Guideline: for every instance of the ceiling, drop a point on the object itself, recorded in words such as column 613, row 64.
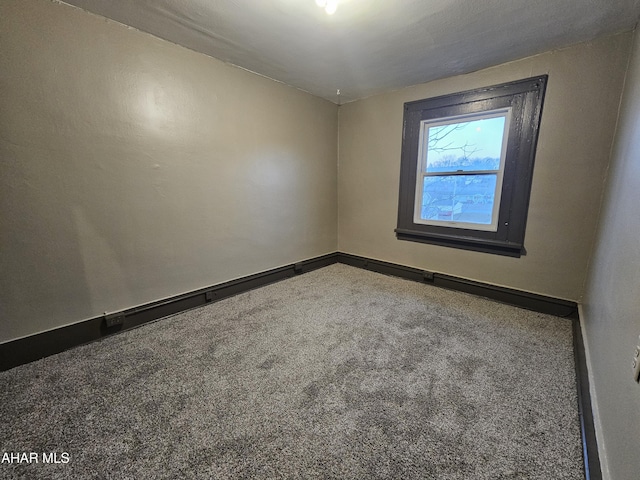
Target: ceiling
column 369, row 46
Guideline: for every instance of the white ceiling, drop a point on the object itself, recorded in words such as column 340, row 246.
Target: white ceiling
column 369, row 46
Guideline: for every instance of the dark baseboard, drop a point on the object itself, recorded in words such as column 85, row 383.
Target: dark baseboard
column 530, row 301
column 518, row 298
column 592, row 470
column 35, row 347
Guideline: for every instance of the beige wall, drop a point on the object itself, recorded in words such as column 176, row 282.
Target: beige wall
column 611, row 308
column 133, row 169
column 578, row 121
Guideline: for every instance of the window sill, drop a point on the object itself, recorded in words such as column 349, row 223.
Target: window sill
column 497, row 247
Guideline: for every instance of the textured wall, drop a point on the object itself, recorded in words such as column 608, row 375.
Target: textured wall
column 611, row 308
column 578, row 122
column 133, row 169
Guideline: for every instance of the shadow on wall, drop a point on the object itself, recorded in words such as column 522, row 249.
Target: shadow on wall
column 41, row 256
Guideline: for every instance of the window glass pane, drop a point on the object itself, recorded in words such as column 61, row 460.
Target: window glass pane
column 466, row 146
column 459, row 198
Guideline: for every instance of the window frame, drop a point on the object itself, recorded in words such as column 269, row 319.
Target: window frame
column 525, row 99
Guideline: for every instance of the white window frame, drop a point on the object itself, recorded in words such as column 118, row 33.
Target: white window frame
column 422, row 173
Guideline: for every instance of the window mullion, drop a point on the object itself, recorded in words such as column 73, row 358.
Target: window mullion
column 460, row 172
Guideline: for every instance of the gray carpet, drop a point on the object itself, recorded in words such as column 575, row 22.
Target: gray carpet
column 338, row 373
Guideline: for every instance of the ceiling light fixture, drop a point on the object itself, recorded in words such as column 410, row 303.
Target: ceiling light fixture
column 330, row 6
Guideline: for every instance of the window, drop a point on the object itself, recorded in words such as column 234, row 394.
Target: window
column 466, row 167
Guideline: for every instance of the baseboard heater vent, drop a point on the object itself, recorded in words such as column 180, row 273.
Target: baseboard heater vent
column 35, row 347
column 518, row 298
column 114, row 319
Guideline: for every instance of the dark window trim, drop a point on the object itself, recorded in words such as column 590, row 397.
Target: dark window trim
column 525, row 97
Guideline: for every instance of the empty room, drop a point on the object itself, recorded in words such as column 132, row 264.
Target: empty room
column 350, row 239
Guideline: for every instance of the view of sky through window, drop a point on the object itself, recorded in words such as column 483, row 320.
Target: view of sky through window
column 473, row 145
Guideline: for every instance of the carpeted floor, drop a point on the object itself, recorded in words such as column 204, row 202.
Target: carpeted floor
column 337, row 373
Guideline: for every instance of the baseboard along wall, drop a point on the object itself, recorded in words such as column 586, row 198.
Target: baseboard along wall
column 34, row 347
